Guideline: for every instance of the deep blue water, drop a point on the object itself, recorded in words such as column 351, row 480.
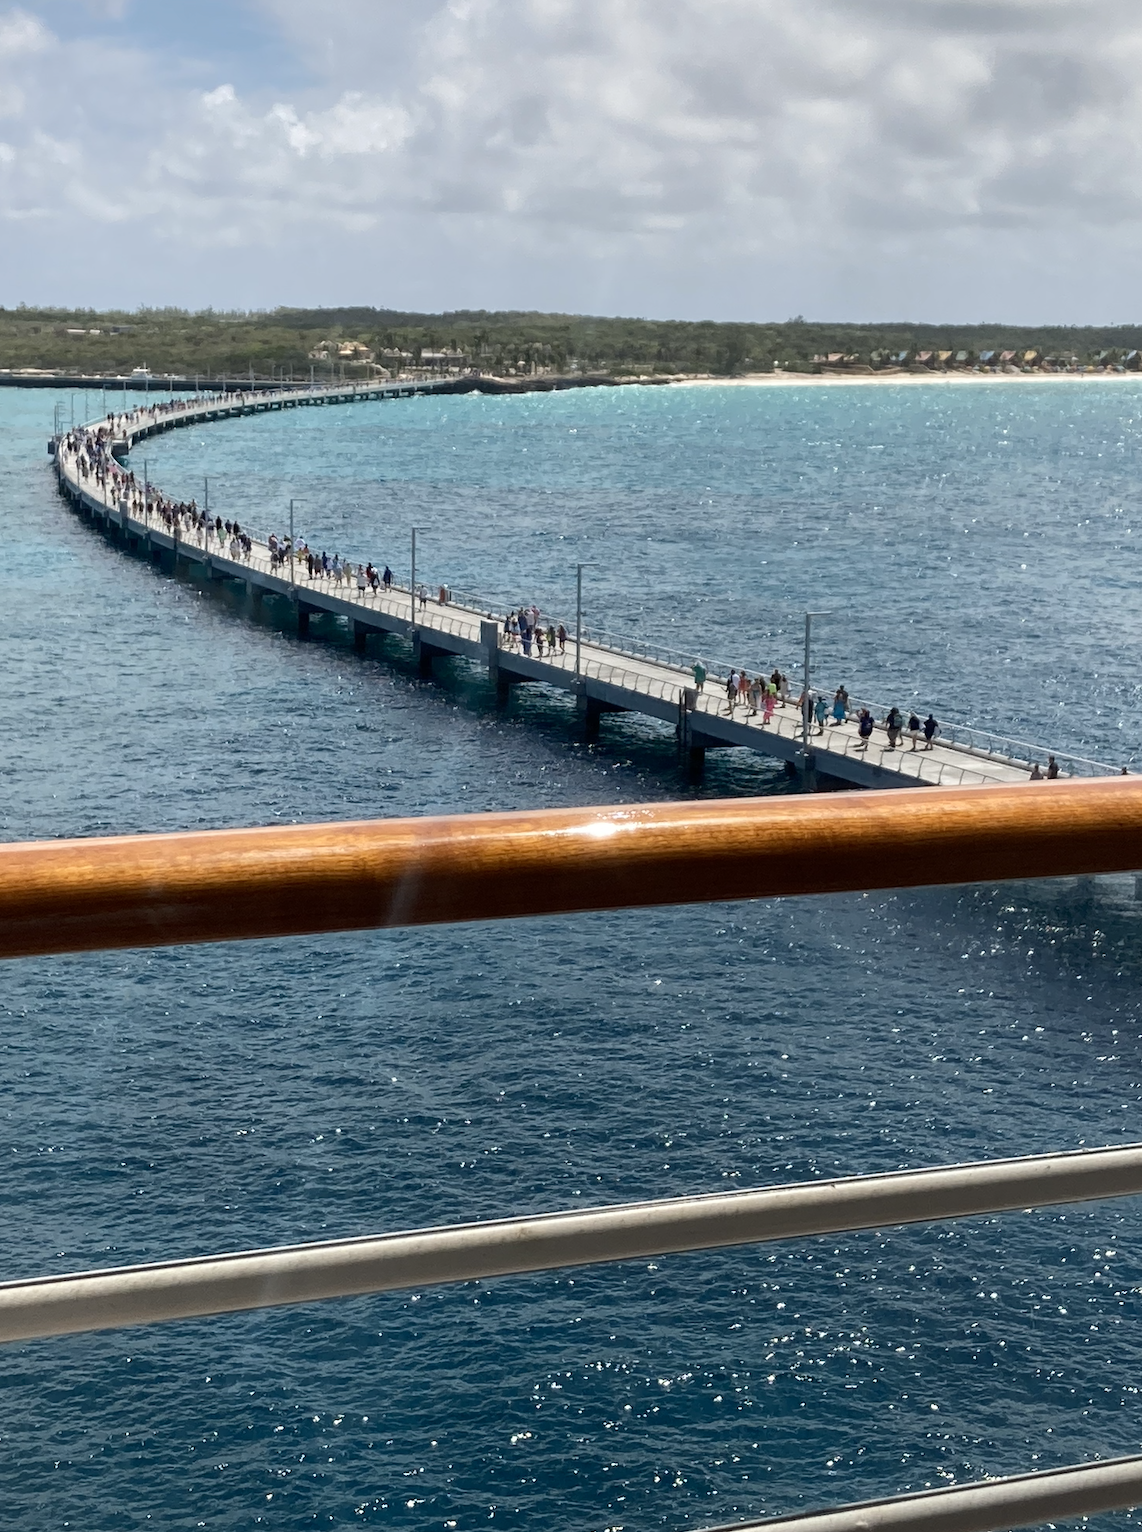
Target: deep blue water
column 163, row 1103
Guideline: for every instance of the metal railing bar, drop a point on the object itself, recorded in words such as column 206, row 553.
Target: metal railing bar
column 254, row 1279
column 228, row 885
column 1023, row 1500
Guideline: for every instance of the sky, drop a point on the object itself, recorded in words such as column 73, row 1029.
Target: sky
column 938, row 160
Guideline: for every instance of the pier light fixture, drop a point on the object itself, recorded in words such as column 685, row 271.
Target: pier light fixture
column 412, row 576
column 579, row 568
column 292, row 581
column 805, row 709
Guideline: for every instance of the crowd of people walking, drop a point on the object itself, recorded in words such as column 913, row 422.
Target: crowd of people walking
column 762, row 695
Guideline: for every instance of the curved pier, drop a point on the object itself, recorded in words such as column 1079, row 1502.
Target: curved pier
column 605, row 674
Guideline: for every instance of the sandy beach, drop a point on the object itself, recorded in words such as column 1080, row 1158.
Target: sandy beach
column 887, row 377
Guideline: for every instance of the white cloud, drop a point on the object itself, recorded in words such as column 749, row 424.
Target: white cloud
column 20, row 35
column 831, row 116
column 610, row 130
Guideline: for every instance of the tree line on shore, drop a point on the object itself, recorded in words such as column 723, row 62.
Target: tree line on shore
column 355, row 341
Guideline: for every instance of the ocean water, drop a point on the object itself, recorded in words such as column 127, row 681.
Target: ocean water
column 976, row 547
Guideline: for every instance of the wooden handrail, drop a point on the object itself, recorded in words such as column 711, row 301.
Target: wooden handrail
column 227, row 885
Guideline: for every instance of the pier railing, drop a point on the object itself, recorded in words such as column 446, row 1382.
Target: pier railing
column 132, row 891
column 969, row 739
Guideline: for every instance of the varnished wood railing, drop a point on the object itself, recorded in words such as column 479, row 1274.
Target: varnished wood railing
column 225, row 885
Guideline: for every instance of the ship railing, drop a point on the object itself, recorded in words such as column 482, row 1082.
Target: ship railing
column 81, row 895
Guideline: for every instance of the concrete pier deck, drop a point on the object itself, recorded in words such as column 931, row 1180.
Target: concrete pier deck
column 612, row 675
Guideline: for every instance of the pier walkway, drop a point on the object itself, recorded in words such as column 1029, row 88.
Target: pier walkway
column 604, row 673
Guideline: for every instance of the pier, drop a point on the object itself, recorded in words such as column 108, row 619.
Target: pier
column 603, row 673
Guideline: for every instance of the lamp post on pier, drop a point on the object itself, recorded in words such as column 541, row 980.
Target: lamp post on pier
column 579, row 568
column 412, row 577
column 806, row 709
column 292, row 581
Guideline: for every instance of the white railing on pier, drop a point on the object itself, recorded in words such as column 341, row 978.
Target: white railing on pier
column 603, row 651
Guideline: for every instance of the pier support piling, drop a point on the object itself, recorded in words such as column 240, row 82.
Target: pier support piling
column 423, row 654
column 591, row 710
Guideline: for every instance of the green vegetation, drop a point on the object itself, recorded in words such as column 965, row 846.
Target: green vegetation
column 170, row 340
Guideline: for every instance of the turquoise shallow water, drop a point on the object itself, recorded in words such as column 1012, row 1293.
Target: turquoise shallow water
column 170, row 1102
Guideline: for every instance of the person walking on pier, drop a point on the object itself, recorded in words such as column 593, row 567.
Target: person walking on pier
column 931, row 729
column 562, row 639
column 1052, row 768
column 820, row 713
column 731, row 692
column 361, row 580
column 894, row 723
column 865, row 728
column 699, row 675
column 1036, row 774
column 769, row 704
column 387, row 578
column 914, row 729
column 840, row 711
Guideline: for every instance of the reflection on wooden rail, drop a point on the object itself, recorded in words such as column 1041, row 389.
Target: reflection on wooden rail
column 226, row 885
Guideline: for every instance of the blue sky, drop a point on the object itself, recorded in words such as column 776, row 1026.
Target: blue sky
column 842, row 159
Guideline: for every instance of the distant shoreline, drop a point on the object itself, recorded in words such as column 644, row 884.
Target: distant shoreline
column 544, row 383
